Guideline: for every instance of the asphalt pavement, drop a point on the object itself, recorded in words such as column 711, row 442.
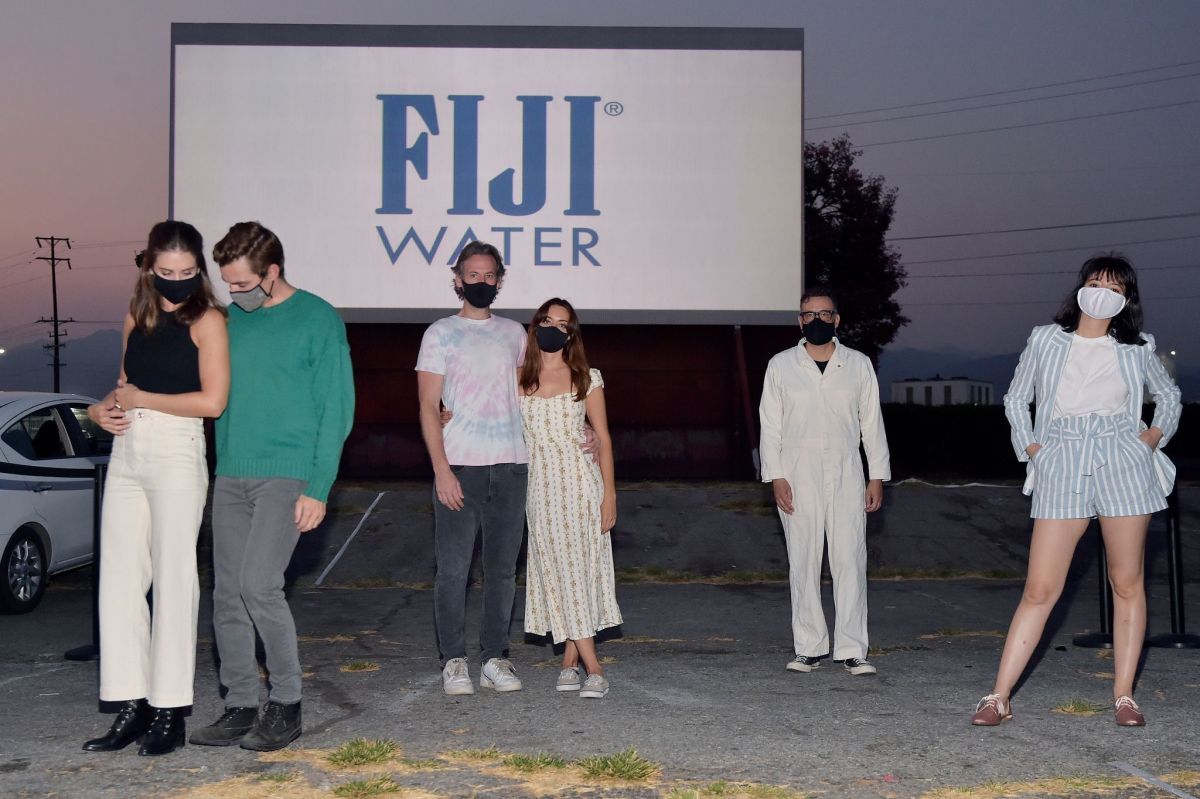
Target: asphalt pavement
column 699, row 687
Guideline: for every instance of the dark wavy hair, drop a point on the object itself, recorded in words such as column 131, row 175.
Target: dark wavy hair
column 573, row 352
column 477, row 248
column 170, row 236
column 1125, row 327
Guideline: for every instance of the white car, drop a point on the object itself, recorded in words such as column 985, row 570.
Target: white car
column 49, row 450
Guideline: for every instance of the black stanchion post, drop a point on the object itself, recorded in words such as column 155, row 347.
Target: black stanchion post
column 1178, row 637
column 1103, row 638
column 92, row 651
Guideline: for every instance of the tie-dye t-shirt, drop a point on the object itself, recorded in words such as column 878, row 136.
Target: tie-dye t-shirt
column 478, row 360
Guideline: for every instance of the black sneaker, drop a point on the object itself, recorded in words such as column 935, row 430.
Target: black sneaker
column 232, row 727
column 858, row 666
column 804, row 663
column 277, row 726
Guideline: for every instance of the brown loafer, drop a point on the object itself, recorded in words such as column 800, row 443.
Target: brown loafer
column 992, row 711
column 1127, row 712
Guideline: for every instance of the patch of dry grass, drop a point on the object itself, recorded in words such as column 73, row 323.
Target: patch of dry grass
column 1079, row 707
column 363, row 751
column 1050, row 787
column 358, row 666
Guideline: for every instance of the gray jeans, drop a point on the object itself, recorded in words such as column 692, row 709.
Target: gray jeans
column 494, row 502
column 254, row 535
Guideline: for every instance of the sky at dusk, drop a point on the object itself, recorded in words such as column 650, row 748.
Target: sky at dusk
column 84, row 141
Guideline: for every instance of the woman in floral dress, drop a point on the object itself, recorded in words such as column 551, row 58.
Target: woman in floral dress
column 572, row 499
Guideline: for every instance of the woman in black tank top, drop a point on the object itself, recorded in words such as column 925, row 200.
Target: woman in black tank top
column 174, row 373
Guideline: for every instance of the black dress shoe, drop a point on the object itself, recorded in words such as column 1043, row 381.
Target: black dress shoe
column 232, row 727
column 131, row 723
column 167, row 732
column 276, row 727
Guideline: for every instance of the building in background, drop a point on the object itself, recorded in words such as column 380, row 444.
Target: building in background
column 939, row 390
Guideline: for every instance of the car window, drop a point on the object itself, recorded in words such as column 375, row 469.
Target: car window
column 91, row 438
column 38, row 436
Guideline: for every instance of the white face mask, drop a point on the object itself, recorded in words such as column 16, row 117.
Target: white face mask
column 1100, row 303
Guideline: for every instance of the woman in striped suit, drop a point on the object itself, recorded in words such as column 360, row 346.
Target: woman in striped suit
column 1089, row 455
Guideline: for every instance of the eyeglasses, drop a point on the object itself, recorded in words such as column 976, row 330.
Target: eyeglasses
column 824, row 316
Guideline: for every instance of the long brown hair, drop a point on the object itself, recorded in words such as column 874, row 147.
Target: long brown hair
column 170, row 236
column 573, row 352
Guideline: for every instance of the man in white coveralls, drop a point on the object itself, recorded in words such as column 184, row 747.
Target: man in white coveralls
column 820, row 399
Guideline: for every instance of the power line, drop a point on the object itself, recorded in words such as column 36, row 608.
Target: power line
column 1005, row 102
column 16, row 327
column 22, row 282
column 1041, row 123
column 1009, row 91
column 1040, row 272
column 1045, row 252
column 1127, row 220
column 904, row 305
column 18, row 254
column 101, row 244
column 1016, row 172
column 55, row 322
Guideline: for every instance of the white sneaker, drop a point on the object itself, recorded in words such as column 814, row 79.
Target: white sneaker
column 499, row 674
column 804, row 663
column 568, row 680
column 594, row 687
column 456, row 678
column 859, row 666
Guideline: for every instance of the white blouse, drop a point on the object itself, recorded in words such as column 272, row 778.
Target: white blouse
column 1091, row 380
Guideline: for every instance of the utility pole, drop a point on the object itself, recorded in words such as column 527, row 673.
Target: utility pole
column 54, row 321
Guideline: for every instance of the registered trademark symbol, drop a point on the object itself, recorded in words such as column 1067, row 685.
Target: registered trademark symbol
column 613, row 108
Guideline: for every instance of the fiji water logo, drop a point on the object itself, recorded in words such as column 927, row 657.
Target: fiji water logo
column 407, row 139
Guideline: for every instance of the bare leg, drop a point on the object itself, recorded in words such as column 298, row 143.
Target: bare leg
column 570, row 655
column 587, row 653
column 1050, row 554
column 1125, row 545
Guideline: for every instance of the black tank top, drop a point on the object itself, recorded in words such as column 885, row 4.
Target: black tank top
column 164, row 362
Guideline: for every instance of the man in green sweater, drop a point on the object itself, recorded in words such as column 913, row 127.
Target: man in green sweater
column 291, row 405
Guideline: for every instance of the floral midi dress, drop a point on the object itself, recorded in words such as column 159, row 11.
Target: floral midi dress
column 570, row 590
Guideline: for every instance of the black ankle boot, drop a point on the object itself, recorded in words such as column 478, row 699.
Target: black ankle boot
column 231, row 728
column 166, row 733
column 131, row 723
column 276, row 726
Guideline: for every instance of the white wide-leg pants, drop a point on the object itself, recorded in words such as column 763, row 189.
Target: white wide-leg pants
column 828, row 494
column 153, row 503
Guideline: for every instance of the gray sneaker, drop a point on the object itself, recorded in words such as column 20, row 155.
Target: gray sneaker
column 569, row 680
column 594, row 687
column 499, row 674
column 456, row 678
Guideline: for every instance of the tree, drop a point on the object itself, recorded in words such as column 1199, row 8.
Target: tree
column 846, row 220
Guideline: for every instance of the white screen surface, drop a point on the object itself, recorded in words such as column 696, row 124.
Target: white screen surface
column 671, row 191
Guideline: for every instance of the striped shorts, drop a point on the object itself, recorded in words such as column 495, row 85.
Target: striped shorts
column 1094, row 466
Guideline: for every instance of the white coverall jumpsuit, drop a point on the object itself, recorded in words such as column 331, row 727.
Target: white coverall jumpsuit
column 812, row 424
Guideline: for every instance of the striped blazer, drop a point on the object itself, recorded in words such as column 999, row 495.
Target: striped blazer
column 1037, row 376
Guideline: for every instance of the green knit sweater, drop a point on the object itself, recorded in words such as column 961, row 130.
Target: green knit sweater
column 291, row 395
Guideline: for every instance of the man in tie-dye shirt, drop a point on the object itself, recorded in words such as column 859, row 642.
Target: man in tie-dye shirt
column 469, row 362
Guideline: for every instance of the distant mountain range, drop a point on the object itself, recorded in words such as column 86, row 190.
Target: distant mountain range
column 91, row 367
column 901, row 363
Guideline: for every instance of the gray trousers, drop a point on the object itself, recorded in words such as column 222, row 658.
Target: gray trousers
column 494, row 502
column 254, row 535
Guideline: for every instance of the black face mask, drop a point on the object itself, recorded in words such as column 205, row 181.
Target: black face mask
column 480, row 294
column 818, row 332
column 177, row 291
column 550, row 339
